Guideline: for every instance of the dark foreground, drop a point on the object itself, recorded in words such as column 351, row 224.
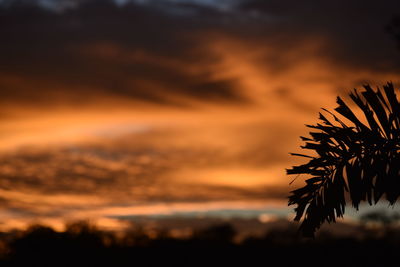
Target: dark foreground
column 84, row 245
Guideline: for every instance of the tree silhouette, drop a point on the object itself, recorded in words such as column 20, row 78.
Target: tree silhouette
column 381, row 217
column 353, row 157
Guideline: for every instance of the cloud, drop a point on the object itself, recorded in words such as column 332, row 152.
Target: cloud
column 137, row 167
column 143, row 173
column 135, row 51
column 355, row 33
column 142, row 52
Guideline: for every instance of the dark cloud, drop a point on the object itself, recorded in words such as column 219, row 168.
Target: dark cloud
column 49, row 51
column 355, row 33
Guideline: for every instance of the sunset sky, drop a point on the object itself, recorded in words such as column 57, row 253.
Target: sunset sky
column 145, row 107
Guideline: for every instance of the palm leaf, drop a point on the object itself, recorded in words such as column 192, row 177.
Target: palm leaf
column 359, row 160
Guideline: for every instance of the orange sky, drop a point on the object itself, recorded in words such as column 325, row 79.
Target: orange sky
column 124, row 130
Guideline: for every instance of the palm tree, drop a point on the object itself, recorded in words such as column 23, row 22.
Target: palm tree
column 353, row 158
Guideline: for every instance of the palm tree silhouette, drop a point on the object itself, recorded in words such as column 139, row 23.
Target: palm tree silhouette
column 355, row 158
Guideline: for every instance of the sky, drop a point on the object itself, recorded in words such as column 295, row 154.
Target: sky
column 116, row 109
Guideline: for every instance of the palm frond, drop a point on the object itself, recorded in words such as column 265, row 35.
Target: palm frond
column 354, row 158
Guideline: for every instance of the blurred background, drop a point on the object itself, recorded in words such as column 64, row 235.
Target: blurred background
column 174, row 114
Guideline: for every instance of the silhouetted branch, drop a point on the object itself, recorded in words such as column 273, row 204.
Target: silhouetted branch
column 359, row 159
